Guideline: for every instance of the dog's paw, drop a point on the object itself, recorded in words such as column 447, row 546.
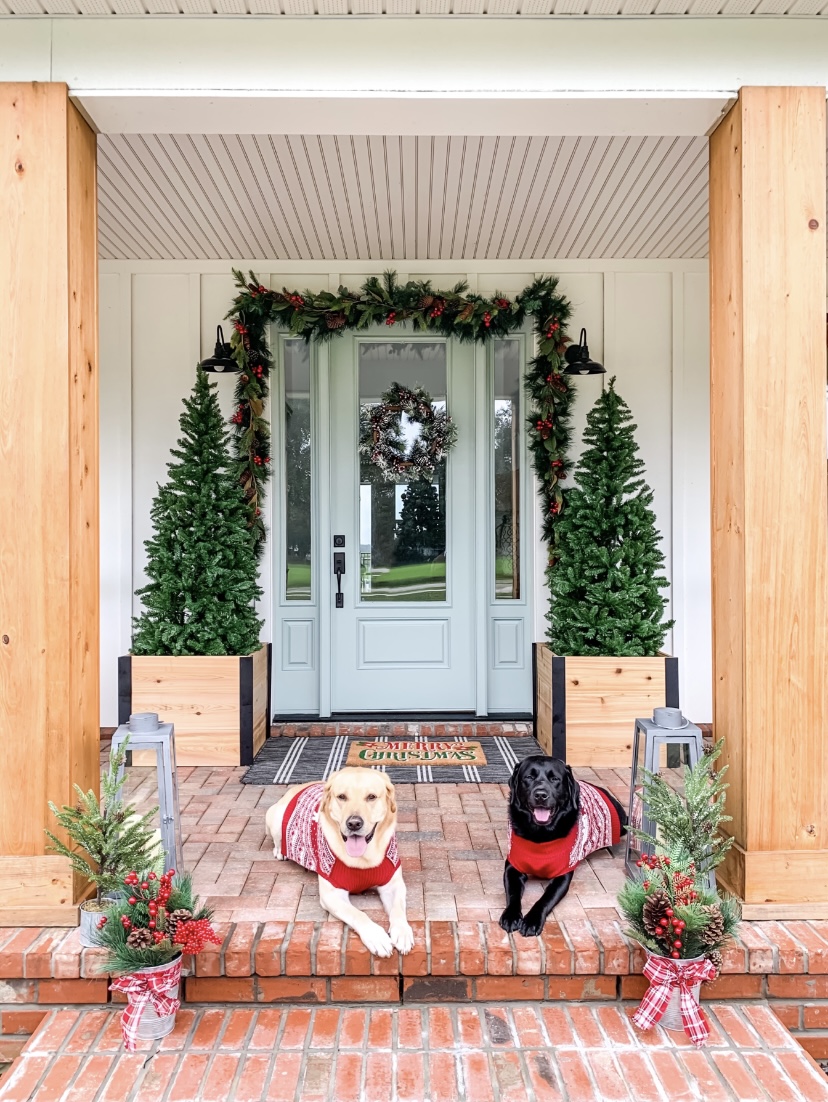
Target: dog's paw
column 511, row 920
column 531, row 925
column 402, row 937
column 277, row 853
column 376, row 941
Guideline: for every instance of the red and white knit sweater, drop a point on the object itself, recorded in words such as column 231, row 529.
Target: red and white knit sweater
column 598, row 825
column 304, row 842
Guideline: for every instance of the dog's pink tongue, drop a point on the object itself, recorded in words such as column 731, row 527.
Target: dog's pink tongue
column 356, row 845
column 542, row 814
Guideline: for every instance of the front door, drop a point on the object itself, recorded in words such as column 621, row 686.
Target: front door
column 403, row 632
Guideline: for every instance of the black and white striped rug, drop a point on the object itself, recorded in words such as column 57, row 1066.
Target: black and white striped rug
column 286, row 760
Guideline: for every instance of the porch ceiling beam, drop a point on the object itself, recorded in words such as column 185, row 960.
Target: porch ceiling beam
column 770, row 540
column 429, row 59
column 404, row 114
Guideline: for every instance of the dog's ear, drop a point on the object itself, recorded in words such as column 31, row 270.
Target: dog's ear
column 572, row 785
column 390, row 796
column 327, row 796
column 513, row 783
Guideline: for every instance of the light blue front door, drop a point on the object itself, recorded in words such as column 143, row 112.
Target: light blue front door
column 404, row 637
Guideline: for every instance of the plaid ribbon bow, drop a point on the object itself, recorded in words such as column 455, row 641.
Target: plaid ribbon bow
column 144, row 989
column 666, row 974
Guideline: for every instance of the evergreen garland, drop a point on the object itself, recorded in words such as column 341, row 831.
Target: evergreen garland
column 607, row 582
column 201, row 560
column 453, row 313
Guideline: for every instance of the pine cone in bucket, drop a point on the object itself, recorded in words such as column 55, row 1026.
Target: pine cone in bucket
column 140, row 939
column 713, row 933
column 655, row 908
column 181, row 915
column 715, row 958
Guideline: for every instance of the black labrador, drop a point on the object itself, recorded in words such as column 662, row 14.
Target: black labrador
column 544, row 804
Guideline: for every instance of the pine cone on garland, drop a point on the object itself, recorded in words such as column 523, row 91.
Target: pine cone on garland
column 181, row 915
column 426, row 302
column 334, row 320
column 140, row 939
column 655, row 908
column 466, row 312
column 713, row 932
column 715, row 958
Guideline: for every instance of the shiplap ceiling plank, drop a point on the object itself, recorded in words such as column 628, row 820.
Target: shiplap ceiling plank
column 392, row 198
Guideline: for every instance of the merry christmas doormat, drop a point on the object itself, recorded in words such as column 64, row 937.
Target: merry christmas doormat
column 451, row 760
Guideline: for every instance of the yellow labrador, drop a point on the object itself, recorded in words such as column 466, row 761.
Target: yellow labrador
column 344, row 830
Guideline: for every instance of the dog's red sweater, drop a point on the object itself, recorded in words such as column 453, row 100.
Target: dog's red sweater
column 304, row 842
column 598, row 825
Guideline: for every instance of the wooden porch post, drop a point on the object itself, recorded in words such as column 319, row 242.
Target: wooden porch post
column 49, row 719
column 769, row 522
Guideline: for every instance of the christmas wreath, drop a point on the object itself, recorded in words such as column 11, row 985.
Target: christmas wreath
column 382, row 438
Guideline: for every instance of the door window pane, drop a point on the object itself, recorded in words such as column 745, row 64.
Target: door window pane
column 297, row 468
column 507, row 447
column 402, row 523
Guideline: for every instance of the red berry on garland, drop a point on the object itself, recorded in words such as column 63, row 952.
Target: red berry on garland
column 267, row 459
column 664, row 922
column 669, row 912
column 487, row 319
column 646, row 884
column 132, row 901
column 675, row 954
column 392, row 317
column 152, row 876
column 144, row 886
column 151, row 924
column 677, row 944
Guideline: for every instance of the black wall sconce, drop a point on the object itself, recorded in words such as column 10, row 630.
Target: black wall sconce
column 222, row 358
column 578, row 361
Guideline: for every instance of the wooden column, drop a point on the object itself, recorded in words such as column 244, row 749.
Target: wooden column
column 49, row 605
column 770, row 525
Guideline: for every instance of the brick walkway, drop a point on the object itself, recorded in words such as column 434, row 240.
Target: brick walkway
column 480, row 1054
column 452, row 841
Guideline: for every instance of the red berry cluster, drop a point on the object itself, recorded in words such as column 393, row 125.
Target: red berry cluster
column 392, row 317
column 555, row 508
column 296, row 301
column 258, row 371
column 672, row 927
column 555, row 381
column 194, row 934
column 438, row 308
column 240, row 328
column 258, row 512
column 502, row 303
column 238, row 416
column 154, row 893
column 552, row 328
column 257, row 459
column 545, row 426
column 487, row 319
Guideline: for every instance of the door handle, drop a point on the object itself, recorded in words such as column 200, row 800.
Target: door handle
column 339, row 570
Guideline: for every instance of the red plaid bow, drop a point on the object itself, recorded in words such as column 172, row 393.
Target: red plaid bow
column 143, row 989
column 665, row 974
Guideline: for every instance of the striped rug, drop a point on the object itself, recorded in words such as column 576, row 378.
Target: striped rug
column 286, row 760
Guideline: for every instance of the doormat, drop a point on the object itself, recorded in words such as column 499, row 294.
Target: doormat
column 489, row 759
column 408, row 753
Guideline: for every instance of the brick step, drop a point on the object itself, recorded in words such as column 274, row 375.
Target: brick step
column 354, row 1054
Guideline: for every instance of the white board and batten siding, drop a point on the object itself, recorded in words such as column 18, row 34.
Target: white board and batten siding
column 647, row 322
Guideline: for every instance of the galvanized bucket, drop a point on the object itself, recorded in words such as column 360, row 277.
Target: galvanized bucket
column 89, row 926
column 151, row 1027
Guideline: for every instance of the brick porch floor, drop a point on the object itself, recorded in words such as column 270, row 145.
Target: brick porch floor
column 452, row 841
column 516, row 1053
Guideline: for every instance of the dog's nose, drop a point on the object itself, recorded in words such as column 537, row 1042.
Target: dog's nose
column 355, row 823
column 541, row 795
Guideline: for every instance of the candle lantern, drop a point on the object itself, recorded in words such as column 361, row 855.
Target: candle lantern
column 663, row 744
column 146, row 733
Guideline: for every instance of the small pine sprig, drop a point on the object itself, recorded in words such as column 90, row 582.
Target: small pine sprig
column 690, row 822
column 107, row 836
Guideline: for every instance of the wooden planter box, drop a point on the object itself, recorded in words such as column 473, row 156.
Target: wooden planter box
column 220, row 705
column 585, row 707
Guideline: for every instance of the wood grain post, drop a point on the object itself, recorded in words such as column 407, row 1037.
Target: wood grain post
column 49, row 602
column 769, row 522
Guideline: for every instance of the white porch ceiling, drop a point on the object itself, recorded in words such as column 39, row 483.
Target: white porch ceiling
column 312, row 197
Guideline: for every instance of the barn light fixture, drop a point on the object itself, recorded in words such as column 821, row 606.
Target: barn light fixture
column 222, row 358
column 578, row 361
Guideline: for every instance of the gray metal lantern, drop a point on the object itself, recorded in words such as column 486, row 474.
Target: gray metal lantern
column 666, row 742
column 146, row 733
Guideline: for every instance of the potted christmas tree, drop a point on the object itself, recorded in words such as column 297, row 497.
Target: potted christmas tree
column 196, row 658
column 603, row 666
column 145, row 936
column 107, row 839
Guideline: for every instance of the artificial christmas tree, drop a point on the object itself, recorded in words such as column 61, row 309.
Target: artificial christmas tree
column 201, row 560
column 196, row 657
column 602, row 668
column 607, row 582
